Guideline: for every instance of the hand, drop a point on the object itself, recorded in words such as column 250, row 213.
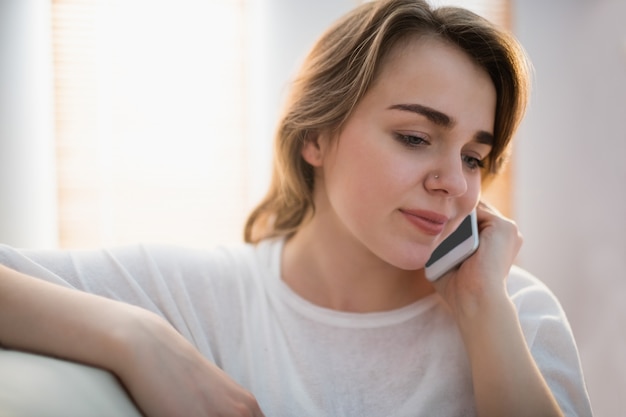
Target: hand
column 505, row 376
column 167, row 376
column 482, row 276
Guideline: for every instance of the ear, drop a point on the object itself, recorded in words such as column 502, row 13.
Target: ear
column 312, row 151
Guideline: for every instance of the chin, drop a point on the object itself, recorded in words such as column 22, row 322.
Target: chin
column 400, row 251
column 409, row 260
column 411, row 266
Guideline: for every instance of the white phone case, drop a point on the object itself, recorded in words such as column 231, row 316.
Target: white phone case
column 456, row 248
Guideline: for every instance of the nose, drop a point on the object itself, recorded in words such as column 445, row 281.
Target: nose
column 448, row 177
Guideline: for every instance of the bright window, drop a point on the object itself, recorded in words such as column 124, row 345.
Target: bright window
column 150, row 121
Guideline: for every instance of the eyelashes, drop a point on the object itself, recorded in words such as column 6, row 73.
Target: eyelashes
column 411, row 141
column 472, row 162
column 415, row 141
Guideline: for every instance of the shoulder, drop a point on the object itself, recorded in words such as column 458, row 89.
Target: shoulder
column 541, row 316
column 520, row 279
column 235, row 271
column 188, row 258
column 543, row 320
column 529, row 293
column 550, row 339
column 232, row 260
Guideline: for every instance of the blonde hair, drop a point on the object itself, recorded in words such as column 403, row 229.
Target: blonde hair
column 340, row 69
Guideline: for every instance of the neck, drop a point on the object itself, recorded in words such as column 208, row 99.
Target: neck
column 326, row 265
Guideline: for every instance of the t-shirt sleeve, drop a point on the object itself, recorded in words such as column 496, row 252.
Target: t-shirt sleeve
column 170, row 281
column 551, row 341
column 127, row 274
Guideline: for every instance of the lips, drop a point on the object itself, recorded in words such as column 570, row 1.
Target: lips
column 428, row 222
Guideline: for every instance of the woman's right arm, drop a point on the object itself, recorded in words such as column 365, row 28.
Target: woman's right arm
column 164, row 373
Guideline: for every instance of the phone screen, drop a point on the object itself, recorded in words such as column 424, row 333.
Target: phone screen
column 454, row 249
column 460, row 235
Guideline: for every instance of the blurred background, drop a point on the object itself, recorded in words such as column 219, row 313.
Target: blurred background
column 152, row 120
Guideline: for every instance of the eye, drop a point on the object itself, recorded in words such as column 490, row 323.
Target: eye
column 473, row 163
column 411, row 141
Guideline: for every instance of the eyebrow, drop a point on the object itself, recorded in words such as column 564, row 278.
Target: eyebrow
column 441, row 119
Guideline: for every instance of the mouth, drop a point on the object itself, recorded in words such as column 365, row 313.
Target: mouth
column 428, row 222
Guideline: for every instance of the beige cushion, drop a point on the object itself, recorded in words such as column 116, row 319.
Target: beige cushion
column 39, row 386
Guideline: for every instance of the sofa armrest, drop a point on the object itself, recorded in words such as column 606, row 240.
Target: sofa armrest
column 34, row 385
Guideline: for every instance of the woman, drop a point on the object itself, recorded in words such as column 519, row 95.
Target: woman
column 398, row 117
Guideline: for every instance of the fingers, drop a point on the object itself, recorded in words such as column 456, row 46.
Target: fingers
column 249, row 407
column 488, row 215
column 487, row 208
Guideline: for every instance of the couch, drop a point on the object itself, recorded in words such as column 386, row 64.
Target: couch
column 33, row 385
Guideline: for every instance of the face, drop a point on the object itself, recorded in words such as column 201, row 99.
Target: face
column 405, row 169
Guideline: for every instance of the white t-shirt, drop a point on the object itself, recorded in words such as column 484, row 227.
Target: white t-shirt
column 299, row 359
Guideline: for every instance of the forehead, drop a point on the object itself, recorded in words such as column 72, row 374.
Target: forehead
column 433, row 72
column 423, row 49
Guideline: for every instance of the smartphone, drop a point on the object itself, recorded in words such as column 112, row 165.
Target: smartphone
column 456, row 248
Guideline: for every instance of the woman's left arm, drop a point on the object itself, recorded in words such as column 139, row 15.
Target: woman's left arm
column 506, row 379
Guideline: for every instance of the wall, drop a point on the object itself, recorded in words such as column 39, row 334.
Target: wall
column 571, row 177
column 27, row 179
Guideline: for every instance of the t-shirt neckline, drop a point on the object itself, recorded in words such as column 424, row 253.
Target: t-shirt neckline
column 288, row 297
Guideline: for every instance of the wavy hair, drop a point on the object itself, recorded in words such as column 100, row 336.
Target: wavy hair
column 341, row 67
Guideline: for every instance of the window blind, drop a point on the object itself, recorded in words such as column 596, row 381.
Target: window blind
column 150, row 121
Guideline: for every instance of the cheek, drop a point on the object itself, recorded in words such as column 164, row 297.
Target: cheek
column 367, row 179
column 353, row 179
column 474, row 192
column 467, row 202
